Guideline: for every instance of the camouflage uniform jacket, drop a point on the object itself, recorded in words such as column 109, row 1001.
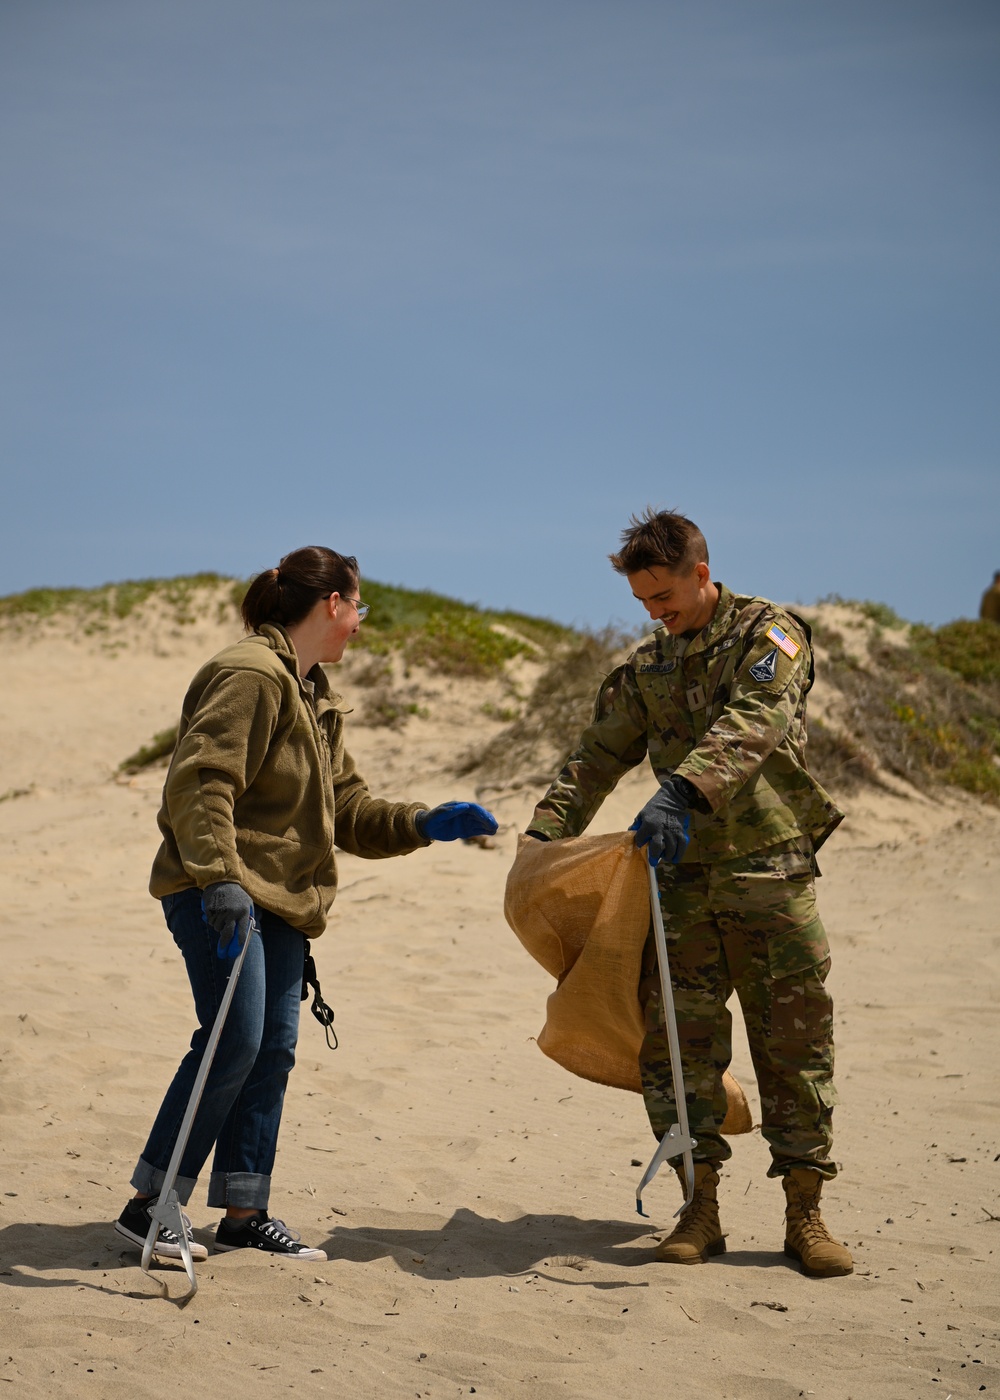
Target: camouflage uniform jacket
column 726, row 710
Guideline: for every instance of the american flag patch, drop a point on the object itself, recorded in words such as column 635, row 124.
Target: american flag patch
column 784, row 641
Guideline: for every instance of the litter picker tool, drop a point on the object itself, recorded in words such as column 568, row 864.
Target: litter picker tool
column 678, row 1140
column 167, row 1211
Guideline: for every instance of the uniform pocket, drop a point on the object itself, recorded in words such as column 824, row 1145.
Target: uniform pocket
column 800, row 1006
column 798, row 960
column 827, row 1095
column 766, row 906
column 797, row 939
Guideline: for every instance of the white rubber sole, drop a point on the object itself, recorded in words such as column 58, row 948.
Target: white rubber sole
column 308, row 1256
column 160, row 1248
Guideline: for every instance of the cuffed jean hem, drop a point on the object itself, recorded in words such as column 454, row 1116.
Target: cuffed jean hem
column 247, row 1190
column 148, row 1181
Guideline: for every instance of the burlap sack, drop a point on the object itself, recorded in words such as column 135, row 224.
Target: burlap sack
column 581, row 908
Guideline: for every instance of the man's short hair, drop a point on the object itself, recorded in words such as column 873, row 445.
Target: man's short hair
column 660, row 538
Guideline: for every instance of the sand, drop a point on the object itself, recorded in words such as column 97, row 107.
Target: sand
column 476, row 1201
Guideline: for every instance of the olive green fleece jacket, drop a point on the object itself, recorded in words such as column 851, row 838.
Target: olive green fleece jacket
column 261, row 786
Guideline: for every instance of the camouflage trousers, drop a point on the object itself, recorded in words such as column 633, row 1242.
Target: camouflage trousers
column 749, row 925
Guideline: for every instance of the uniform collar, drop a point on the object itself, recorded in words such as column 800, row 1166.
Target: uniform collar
column 719, row 625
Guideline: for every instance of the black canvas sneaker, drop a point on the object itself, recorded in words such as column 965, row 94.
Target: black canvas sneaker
column 261, row 1232
column 134, row 1223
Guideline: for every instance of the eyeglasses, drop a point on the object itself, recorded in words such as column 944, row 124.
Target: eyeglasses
column 363, row 608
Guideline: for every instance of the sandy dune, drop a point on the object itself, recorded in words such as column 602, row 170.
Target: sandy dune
column 475, row 1200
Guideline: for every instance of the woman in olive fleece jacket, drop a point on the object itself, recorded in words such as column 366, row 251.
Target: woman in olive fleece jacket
column 259, row 788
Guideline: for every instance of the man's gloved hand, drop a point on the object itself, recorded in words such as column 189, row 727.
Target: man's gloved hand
column 663, row 825
column 229, row 911
column 456, row 821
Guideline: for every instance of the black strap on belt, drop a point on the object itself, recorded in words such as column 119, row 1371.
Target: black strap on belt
column 319, row 1008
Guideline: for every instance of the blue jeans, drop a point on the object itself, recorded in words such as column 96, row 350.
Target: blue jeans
column 240, row 1109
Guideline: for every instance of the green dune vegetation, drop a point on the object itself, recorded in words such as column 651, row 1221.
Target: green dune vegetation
column 920, row 702
column 95, row 610
column 917, row 702
column 454, row 637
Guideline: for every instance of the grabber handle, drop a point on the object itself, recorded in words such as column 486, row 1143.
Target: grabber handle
column 167, row 1210
column 678, row 1140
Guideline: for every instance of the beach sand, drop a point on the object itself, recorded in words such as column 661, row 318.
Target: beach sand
column 476, row 1201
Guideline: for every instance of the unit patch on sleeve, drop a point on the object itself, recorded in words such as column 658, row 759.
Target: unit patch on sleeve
column 767, row 665
column 784, row 641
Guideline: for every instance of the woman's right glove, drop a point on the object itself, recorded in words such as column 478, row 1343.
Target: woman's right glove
column 229, row 911
column 456, row 821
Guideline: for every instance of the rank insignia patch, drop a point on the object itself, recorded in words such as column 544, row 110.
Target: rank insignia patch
column 784, row 641
column 696, row 696
column 766, row 667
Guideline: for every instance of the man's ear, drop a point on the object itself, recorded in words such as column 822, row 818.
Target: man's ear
column 704, row 573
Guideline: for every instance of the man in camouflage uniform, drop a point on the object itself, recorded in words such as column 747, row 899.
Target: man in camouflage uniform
column 715, row 698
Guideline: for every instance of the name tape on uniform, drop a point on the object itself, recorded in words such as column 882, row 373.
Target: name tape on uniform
column 784, row 641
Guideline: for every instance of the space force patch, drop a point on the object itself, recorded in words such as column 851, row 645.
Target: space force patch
column 784, row 641
column 767, row 666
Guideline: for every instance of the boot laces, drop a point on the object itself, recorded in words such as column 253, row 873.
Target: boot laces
column 811, row 1222
column 814, row 1226
column 697, row 1200
column 690, row 1214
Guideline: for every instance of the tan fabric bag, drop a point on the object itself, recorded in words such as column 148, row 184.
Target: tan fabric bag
column 581, row 908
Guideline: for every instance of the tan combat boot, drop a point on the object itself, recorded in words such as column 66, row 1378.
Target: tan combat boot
column 697, row 1233
column 806, row 1237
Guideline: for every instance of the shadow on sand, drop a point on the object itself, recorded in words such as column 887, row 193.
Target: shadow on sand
column 474, row 1246
column 468, row 1245
column 86, row 1252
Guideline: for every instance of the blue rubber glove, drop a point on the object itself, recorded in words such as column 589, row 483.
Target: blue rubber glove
column 456, row 821
column 229, row 911
column 664, row 824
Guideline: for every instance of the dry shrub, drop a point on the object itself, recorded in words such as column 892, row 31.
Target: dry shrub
column 918, row 718
column 389, row 708
column 837, row 760
column 560, row 707
column 373, row 670
column 157, row 752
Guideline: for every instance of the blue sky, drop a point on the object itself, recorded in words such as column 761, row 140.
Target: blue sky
column 456, row 286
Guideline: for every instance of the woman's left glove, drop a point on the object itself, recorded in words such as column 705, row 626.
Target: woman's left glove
column 456, row 821
column 229, row 911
